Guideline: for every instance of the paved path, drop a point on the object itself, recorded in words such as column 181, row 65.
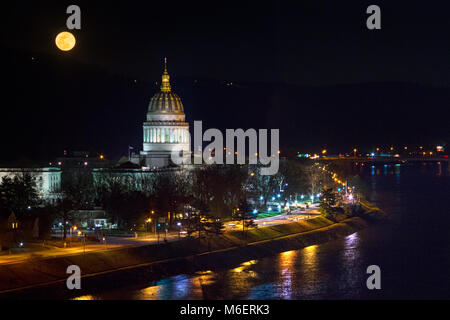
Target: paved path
column 283, row 218
column 41, row 252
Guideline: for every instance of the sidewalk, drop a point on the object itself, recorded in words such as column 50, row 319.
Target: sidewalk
column 282, row 218
column 37, row 251
column 40, row 252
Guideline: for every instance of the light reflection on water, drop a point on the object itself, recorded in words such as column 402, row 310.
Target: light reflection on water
column 86, row 297
column 418, row 200
column 287, row 270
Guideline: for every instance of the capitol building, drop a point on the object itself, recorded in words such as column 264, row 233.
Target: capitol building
column 165, row 137
column 166, row 133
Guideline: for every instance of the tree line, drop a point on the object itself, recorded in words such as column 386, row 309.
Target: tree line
column 202, row 197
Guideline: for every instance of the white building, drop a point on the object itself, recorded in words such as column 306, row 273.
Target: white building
column 165, row 131
column 48, row 180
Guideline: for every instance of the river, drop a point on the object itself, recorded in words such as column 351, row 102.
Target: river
column 412, row 251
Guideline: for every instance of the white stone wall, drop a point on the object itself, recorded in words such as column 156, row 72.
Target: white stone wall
column 48, row 180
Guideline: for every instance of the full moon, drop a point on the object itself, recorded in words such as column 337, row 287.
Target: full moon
column 65, row 41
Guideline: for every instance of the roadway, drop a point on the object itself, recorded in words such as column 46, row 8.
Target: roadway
column 278, row 219
column 41, row 251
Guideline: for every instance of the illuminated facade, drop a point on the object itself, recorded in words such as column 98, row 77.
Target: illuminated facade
column 165, row 131
column 48, row 180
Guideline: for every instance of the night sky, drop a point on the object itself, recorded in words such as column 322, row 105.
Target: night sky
column 310, row 68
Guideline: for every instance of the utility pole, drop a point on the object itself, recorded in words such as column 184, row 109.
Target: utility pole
column 158, row 232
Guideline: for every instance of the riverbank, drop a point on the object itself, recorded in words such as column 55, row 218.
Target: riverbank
column 147, row 263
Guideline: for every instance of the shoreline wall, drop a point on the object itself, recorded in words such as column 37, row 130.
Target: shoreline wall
column 46, row 277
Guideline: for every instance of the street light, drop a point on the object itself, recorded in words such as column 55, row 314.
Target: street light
column 179, row 230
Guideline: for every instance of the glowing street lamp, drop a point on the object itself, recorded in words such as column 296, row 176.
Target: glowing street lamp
column 179, row 230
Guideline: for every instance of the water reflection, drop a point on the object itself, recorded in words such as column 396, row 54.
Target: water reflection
column 200, row 283
column 309, row 255
column 349, row 258
column 240, row 279
column 287, row 265
column 419, row 206
column 86, row 297
column 310, row 281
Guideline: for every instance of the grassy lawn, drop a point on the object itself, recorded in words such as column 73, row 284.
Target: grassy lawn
column 263, row 215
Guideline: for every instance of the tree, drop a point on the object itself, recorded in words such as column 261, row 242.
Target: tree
column 315, row 178
column 114, row 195
column 263, row 187
column 328, row 202
column 77, row 193
column 170, row 193
column 295, row 178
column 18, row 194
column 244, row 215
column 218, row 188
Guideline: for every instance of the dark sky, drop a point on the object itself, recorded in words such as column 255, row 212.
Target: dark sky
column 310, row 68
column 307, row 42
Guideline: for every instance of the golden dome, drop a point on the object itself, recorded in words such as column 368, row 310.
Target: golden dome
column 165, row 100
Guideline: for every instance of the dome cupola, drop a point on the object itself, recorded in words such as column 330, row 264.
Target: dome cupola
column 165, row 101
